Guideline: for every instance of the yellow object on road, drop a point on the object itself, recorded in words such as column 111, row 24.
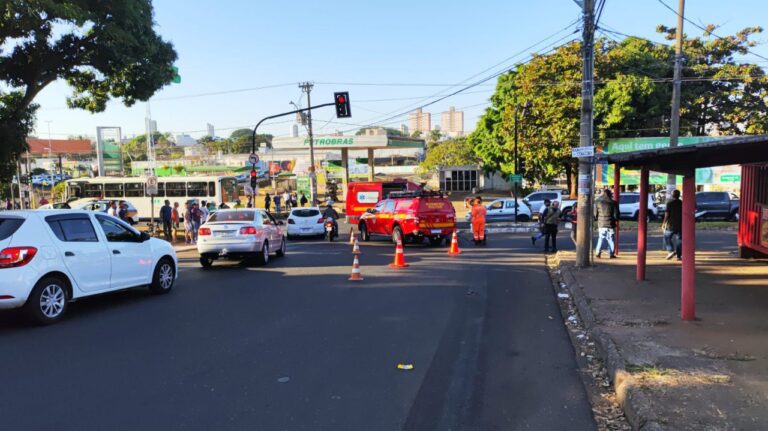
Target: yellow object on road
column 404, row 366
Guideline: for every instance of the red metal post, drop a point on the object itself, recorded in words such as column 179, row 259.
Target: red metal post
column 642, row 225
column 688, row 285
column 616, row 192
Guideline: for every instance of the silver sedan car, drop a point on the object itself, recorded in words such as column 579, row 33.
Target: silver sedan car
column 240, row 234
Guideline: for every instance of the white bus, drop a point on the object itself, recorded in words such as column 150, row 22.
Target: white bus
column 215, row 189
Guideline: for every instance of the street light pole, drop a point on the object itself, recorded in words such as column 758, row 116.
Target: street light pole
column 524, row 107
column 307, row 88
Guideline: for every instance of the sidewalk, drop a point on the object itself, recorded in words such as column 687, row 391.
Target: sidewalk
column 711, row 374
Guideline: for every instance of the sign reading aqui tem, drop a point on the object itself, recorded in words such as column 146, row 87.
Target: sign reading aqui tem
column 253, row 159
column 579, row 152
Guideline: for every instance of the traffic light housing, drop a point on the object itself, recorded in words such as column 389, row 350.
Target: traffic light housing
column 254, row 179
column 341, row 100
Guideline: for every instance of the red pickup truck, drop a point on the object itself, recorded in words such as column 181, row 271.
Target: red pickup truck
column 412, row 216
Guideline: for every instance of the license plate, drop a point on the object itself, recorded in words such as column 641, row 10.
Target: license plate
column 223, row 233
column 305, row 229
column 436, row 231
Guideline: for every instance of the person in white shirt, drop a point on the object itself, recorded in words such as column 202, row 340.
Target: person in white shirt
column 287, row 200
column 204, row 210
column 112, row 209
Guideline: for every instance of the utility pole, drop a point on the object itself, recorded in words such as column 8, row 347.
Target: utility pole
column 524, row 107
column 307, row 88
column 674, row 126
column 584, row 227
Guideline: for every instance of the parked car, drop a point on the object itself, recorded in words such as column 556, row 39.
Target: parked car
column 535, row 200
column 716, row 205
column 629, row 206
column 410, row 216
column 305, row 222
column 240, row 234
column 50, row 258
column 504, row 210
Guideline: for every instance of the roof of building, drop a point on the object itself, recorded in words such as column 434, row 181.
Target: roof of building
column 42, row 147
column 683, row 159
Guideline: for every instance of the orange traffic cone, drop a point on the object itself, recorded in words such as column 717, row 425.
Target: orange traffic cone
column 356, row 248
column 356, row 275
column 351, row 236
column 399, row 256
column 454, row 250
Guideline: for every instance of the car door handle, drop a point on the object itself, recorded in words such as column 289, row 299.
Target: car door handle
column 115, row 251
column 69, row 254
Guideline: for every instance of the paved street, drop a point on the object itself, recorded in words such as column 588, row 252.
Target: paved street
column 296, row 346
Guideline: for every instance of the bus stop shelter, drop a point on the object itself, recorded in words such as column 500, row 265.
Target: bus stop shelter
column 345, row 144
column 749, row 151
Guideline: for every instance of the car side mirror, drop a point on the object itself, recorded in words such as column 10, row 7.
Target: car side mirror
column 144, row 237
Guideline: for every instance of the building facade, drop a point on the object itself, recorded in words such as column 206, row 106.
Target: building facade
column 452, row 122
column 419, row 121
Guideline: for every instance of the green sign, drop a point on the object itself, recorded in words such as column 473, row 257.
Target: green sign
column 624, row 145
column 302, row 186
column 730, row 178
column 176, row 77
column 516, row 178
column 329, row 142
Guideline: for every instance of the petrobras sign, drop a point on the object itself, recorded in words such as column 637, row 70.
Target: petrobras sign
column 351, row 142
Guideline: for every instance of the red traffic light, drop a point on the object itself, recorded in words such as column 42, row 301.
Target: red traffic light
column 341, row 99
column 253, row 172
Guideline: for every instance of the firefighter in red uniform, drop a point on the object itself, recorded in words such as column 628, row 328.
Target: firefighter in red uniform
column 478, row 221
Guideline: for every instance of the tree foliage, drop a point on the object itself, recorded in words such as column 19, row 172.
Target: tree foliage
column 632, row 99
column 451, row 152
column 103, row 49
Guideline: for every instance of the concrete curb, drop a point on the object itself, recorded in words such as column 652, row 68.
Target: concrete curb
column 184, row 248
column 636, row 405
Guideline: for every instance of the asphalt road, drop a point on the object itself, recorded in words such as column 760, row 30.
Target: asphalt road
column 295, row 346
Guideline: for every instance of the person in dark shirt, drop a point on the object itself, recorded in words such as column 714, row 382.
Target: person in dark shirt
column 673, row 226
column 606, row 215
column 166, row 215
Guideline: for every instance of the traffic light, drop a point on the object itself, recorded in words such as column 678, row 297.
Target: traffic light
column 254, row 179
column 342, row 105
column 520, row 166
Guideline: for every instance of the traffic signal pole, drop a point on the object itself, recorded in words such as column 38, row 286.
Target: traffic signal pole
column 584, row 226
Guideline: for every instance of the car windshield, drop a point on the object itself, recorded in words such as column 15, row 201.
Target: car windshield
column 232, row 216
column 305, row 212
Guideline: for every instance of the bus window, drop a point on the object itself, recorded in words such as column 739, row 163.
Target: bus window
column 197, row 189
column 113, row 190
column 211, row 189
column 175, row 190
column 93, row 190
column 228, row 189
column 134, row 190
column 74, row 191
column 160, row 190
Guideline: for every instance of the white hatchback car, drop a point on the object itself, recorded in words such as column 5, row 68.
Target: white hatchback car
column 48, row 258
column 305, row 222
column 240, row 234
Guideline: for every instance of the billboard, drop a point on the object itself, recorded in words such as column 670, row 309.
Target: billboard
column 109, row 151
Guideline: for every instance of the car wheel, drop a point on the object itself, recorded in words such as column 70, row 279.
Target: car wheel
column 364, row 234
column 263, row 257
column 206, row 262
column 163, row 278
column 734, row 216
column 282, row 251
column 48, row 301
column 523, row 218
column 397, row 233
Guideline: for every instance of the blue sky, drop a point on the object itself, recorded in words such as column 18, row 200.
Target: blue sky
column 235, row 47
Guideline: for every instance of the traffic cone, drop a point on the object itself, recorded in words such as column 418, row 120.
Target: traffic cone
column 399, row 256
column 351, row 236
column 356, row 248
column 454, row 250
column 356, row 275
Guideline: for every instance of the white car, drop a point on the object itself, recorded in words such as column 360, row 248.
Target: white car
column 305, row 222
column 240, row 234
column 629, row 206
column 50, row 258
column 504, row 210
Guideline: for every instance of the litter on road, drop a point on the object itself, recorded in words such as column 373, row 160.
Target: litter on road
column 563, row 295
column 404, row 366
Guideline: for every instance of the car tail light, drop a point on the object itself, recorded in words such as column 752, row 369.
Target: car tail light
column 203, row 231
column 320, row 220
column 290, row 221
column 248, row 230
column 13, row 257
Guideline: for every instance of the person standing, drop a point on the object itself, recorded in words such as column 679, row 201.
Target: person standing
column 551, row 220
column 112, row 209
column 574, row 220
column 294, row 200
column 8, row 204
column 204, row 210
column 542, row 213
column 187, row 223
column 276, row 199
column 287, row 200
column 478, row 220
column 175, row 220
column 303, row 200
column 673, row 227
column 122, row 213
column 196, row 218
column 166, row 215
column 606, row 214
column 267, row 201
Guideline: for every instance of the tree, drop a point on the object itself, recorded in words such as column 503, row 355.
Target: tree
column 241, row 141
column 451, row 152
column 102, row 49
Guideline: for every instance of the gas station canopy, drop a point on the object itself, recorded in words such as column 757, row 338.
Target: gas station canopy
column 362, row 142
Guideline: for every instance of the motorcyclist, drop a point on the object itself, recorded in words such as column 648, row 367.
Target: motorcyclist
column 478, row 220
column 331, row 213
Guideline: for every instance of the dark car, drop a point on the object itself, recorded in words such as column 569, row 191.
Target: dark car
column 716, row 205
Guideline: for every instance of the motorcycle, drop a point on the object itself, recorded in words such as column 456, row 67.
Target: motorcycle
column 330, row 229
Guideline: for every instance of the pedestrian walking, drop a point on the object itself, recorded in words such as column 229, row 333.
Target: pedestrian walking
column 166, row 216
column 276, row 200
column 267, row 201
column 303, row 200
column 574, row 220
column 287, row 200
column 673, row 227
column 551, row 221
column 607, row 215
column 187, row 223
column 204, row 210
column 175, row 220
column 542, row 213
